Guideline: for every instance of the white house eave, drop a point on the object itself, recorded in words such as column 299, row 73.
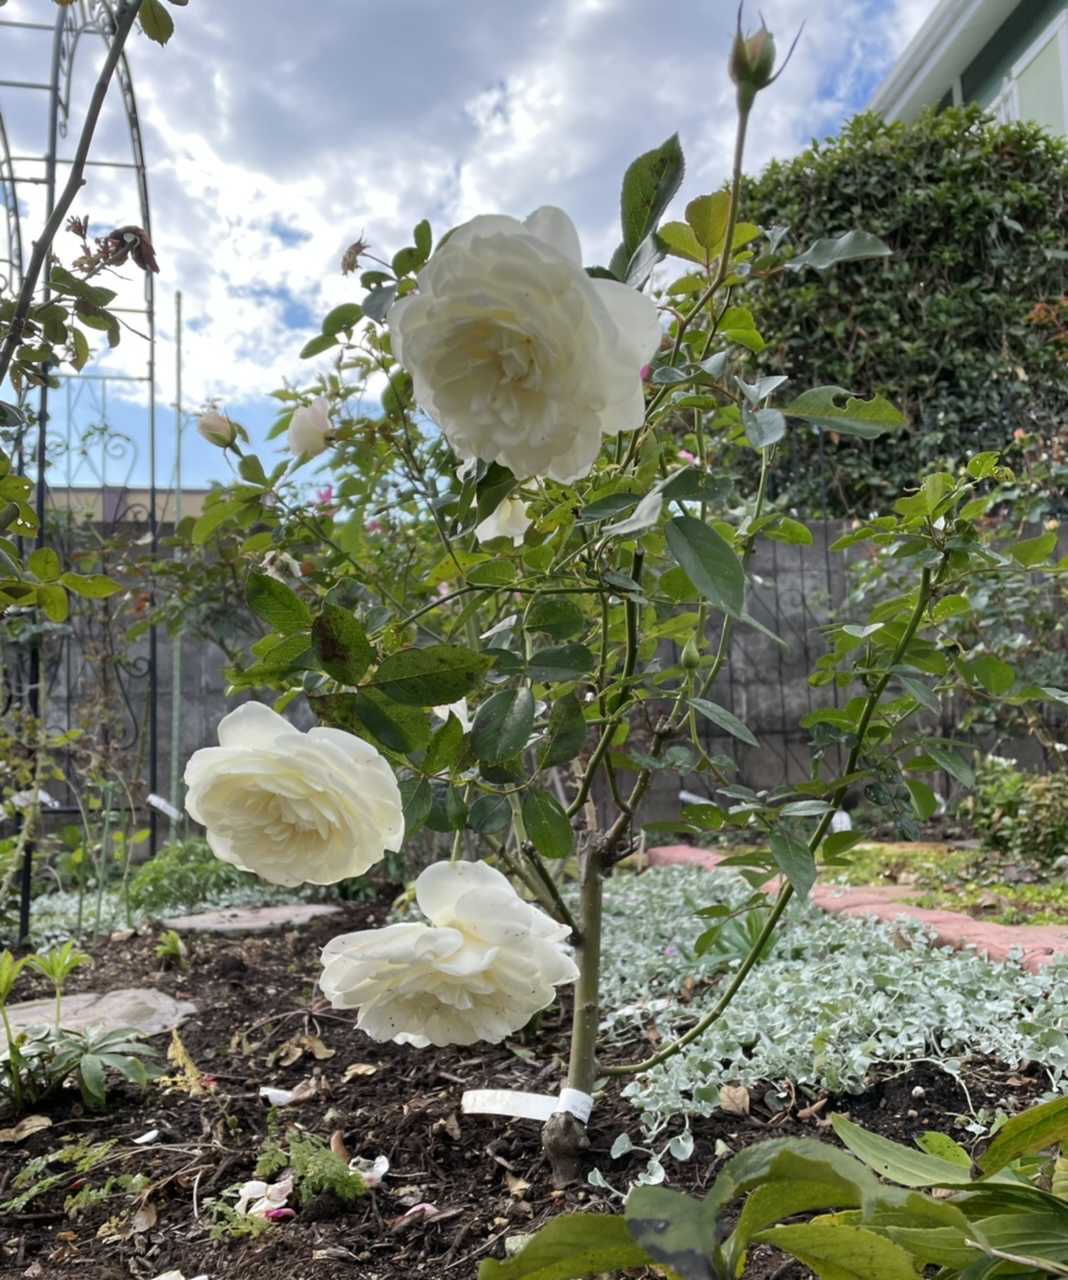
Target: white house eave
column 937, row 54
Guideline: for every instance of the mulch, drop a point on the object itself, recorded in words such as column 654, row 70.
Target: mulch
column 485, row 1177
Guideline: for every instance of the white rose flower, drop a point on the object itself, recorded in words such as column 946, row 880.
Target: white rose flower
column 293, row 807
column 517, row 354
column 480, row 971
column 509, row 520
column 310, row 428
column 217, row 429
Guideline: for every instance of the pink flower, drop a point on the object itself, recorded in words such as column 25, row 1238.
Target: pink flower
column 325, row 496
column 645, row 372
column 374, row 526
column 686, row 455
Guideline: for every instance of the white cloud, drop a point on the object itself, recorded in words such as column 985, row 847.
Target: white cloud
column 275, row 137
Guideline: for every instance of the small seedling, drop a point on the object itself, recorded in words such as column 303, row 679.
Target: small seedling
column 172, row 952
column 57, row 965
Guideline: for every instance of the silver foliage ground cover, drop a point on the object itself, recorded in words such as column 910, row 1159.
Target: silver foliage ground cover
column 834, row 997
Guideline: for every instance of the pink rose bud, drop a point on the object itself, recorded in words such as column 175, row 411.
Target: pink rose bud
column 646, row 372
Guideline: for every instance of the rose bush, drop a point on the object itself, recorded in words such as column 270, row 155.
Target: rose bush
column 293, row 807
column 482, row 968
column 517, row 354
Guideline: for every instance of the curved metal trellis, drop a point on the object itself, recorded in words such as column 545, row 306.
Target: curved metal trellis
column 51, row 681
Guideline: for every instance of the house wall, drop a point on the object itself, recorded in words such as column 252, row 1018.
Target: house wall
column 983, row 78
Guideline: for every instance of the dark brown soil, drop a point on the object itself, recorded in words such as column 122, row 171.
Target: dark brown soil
column 485, row 1177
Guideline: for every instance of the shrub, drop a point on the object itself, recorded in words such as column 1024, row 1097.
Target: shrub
column 182, row 876
column 956, row 319
column 1020, row 814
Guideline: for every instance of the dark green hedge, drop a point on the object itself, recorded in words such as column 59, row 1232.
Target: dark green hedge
column 976, row 215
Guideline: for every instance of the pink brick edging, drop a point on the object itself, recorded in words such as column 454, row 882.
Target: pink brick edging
column 1039, row 945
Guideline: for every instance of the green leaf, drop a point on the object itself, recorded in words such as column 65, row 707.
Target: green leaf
column 648, row 187
column 995, row 676
column 681, row 242
column 709, row 561
column 737, row 325
column 844, row 248
column 956, row 766
column 347, row 316
column 560, row 662
column 341, row 644
column 865, row 418
column 44, row 564
column 91, row 586
column 763, row 427
column 570, row 1247
column 842, row 1253
column 430, row 677
column 446, row 746
column 674, row 1230
column 216, row 515
column 423, row 238
column 1034, row 551
column 567, row 732
column 417, row 797
column 897, row 1163
column 795, row 860
column 395, row 727
column 490, row 815
column 786, row 529
column 724, row 719
column 502, row 725
column 548, row 826
column 1033, row 1130
column 91, row 1072
column 492, row 489
column 708, row 216
column 156, row 22
column 53, row 600
column 924, row 800
column 317, row 345
column 556, row 615
column 251, row 469
column 276, row 603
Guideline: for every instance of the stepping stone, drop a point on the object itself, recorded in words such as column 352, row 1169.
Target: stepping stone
column 236, row 921
column 143, row 1008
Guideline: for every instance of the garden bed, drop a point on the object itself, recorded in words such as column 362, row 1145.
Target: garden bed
column 485, row 1177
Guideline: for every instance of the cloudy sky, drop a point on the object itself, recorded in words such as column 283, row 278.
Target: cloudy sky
column 277, row 132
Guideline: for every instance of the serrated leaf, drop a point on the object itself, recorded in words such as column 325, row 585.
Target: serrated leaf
column 567, row 732
column 850, row 247
column 490, row 815
column 430, row 677
column 503, row 724
column 648, row 187
column 317, row 345
column 725, row 719
column 795, row 860
column 155, row 21
column 709, row 561
column 559, row 662
column 44, row 564
column 417, row 797
column 341, row 644
column 864, row 418
column 548, row 826
column 277, row 604
column 708, row 217
column 346, row 316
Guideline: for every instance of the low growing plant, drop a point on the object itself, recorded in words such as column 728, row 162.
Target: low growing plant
column 1006, row 1214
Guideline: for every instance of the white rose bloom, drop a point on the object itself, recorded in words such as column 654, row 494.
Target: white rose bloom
column 310, row 428
column 517, row 354
column 509, row 520
column 293, row 807
column 480, row 971
column 217, row 429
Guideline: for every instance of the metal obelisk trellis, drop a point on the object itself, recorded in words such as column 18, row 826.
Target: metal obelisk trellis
column 99, row 451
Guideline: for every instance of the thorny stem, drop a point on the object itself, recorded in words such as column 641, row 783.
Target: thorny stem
column 786, row 892
column 123, row 24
